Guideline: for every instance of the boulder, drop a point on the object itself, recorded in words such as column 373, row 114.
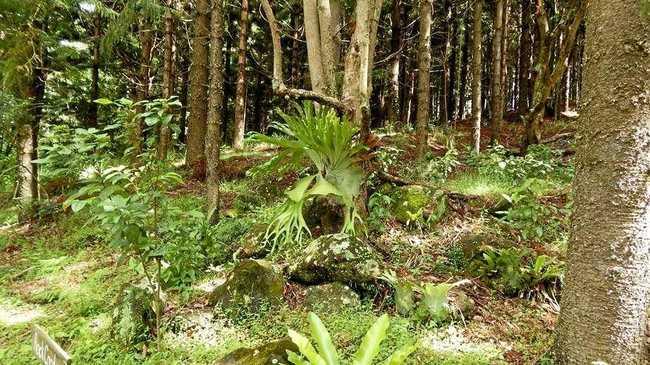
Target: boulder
column 332, row 296
column 133, row 319
column 410, row 202
column 272, row 353
column 337, row 257
column 251, row 284
column 253, row 244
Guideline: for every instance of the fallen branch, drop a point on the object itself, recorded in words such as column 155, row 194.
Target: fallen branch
column 557, row 137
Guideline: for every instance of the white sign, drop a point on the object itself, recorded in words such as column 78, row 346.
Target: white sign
column 46, row 350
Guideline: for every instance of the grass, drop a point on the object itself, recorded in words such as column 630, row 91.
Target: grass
column 472, row 183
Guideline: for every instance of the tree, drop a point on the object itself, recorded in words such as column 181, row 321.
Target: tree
column 354, row 96
column 397, row 43
column 606, row 296
column 496, row 97
column 169, row 62
column 240, row 93
column 195, row 153
column 424, row 89
column 524, row 57
column 477, row 52
column 215, row 110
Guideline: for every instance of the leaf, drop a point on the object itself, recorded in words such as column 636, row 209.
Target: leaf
column 78, row 205
column 323, row 340
column 306, row 348
column 104, row 101
column 295, row 358
column 324, row 187
column 298, row 192
column 399, row 356
column 370, row 345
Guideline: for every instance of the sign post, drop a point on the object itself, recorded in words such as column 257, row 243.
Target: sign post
column 46, row 350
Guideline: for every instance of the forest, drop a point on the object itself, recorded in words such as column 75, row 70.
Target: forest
column 325, row 182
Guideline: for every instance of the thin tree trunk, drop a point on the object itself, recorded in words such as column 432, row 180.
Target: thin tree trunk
column 606, row 296
column 453, row 65
column 215, row 110
column 504, row 56
column 496, row 97
column 477, row 52
column 168, row 79
column 182, row 98
column 424, row 88
column 464, row 69
column 94, row 72
column 195, row 154
column 525, row 45
column 442, row 97
column 239, row 128
column 396, row 42
column 144, row 85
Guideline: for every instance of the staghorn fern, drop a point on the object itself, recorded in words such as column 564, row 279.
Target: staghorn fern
column 329, row 143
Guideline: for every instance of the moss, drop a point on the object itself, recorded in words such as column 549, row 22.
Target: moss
column 409, row 203
column 330, row 297
column 274, row 352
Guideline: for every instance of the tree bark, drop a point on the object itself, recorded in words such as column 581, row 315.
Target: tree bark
column 424, row 88
column 496, row 97
column 477, row 53
column 94, row 72
column 215, row 110
column 144, row 84
column 444, row 55
column 606, row 296
column 453, row 44
column 525, row 45
column 239, row 127
column 396, row 42
column 464, row 66
column 169, row 62
column 195, row 154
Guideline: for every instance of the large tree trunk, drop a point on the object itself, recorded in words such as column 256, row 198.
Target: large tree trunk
column 195, row 154
column 424, row 89
column 477, row 52
column 396, row 43
column 239, row 128
column 215, row 110
column 606, row 296
column 168, row 79
column 496, row 97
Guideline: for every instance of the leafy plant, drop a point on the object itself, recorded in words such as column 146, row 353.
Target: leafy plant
column 329, row 143
column 378, row 210
column 325, row 352
column 525, row 212
column 518, row 271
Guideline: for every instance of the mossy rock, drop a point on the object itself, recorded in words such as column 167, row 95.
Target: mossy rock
column 410, row 202
column 272, row 353
column 472, row 243
column 252, row 245
column 134, row 319
column 337, row 257
column 250, row 285
column 330, row 297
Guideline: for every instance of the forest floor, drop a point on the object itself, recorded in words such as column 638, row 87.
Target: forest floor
column 59, row 272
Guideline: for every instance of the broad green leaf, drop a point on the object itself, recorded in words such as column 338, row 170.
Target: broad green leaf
column 298, row 192
column 295, row 358
column 323, row 340
column 78, row 205
column 104, row 101
column 306, row 348
column 371, row 341
column 323, row 187
column 399, row 356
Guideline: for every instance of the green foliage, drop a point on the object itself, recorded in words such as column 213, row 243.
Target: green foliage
column 325, row 352
column 330, row 145
column 539, row 162
column 378, row 211
column 518, row 271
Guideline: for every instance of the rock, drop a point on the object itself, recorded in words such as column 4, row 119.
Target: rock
column 337, row 257
column 252, row 245
column 324, row 215
column 272, row 353
column 472, row 243
column 409, row 203
column 251, row 284
column 332, row 296
column 461, row 303
column 134, row 320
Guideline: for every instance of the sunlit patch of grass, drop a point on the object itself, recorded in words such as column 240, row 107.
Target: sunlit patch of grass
column 476, row 184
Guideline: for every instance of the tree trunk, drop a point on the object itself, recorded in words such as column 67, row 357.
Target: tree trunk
column 444, row 55
column 525, row 45
column 195, row 154
column 94, row 73
column 464, row 66
column 424, row 88
column 144, row 84
column 504, row 56
column 239, row 127
column 215, row 110
column 606, row 296
column 182, row 97
column 496, row 97
column 477, row 52
column 396, row 42
column 168, row 79
column 452, row 62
